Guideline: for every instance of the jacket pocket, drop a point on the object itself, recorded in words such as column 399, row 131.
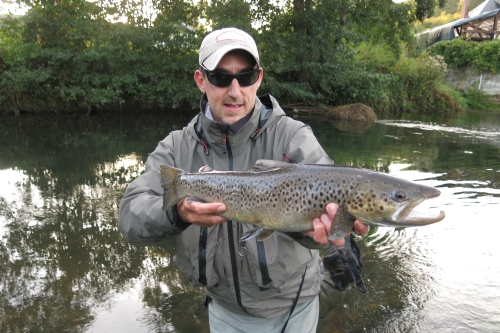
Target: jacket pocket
column 196, row 259
column 276, row 261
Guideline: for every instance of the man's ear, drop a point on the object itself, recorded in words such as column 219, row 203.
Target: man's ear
column 261, row 76
column 199, row 78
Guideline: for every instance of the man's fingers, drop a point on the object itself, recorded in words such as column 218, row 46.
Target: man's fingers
column 360, row 228
column 201, row 213
column 320, row 234
column 201, row 208
column 331, row 209
column 338, row 242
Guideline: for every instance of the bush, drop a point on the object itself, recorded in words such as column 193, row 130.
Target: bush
column 459, row 53
column 102, row 65
column 422, row 79
column 475, row 99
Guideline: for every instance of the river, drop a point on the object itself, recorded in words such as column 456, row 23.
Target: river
column 64, row 267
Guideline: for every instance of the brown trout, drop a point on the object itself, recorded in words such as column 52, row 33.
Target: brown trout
column 287, row 197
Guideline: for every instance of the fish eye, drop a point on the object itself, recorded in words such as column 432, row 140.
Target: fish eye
column 399, row 195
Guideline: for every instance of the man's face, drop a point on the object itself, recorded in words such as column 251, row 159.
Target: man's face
column 232, row 103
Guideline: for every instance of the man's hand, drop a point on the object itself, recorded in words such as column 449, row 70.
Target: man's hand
column 202, row 214
column 322, row 226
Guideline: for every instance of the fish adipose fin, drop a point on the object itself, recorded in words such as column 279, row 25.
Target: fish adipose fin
column 341, row 225
column 262, row 165
column 168, row 176
column 205, row 168
column 261, row 234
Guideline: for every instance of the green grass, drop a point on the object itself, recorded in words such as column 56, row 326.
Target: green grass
column 475, row 99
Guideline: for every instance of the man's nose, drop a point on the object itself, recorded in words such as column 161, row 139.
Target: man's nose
column 234, row 88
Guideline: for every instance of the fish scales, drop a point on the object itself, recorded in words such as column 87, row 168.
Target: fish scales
column 285, row 197
column 270, row 198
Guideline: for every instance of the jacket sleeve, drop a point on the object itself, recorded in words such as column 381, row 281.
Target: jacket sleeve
column 304, row 148
column 141, row 219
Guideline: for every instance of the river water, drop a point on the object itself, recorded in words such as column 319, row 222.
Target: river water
column 64, row 267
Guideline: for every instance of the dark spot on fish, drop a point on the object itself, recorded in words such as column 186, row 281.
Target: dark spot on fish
column 311, row 186
column 381, row 207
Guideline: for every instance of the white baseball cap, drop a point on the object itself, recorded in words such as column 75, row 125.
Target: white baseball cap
column 219, row 42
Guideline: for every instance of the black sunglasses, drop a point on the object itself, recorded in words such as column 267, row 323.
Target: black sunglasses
column 222, row 79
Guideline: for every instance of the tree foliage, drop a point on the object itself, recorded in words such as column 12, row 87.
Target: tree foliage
column 68, row 56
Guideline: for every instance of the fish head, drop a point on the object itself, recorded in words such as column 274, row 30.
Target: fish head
column 383, row 200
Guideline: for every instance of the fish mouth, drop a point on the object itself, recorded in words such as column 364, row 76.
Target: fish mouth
column 419, row 217
column 414, row 216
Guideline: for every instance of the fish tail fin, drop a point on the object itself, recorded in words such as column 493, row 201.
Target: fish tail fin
column 168, row 182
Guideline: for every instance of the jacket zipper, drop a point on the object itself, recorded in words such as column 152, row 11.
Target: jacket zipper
column 202, row 257
column 232, row 251
column 261, row 254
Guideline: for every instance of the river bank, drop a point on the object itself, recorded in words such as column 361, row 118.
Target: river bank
column 468, row 79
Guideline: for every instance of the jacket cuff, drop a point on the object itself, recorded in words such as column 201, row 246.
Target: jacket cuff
column 176, row 220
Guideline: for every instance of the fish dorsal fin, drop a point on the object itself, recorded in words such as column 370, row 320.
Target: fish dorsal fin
column 205, row 168
column 262, row 165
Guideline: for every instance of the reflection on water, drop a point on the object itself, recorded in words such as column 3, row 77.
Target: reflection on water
column 64, row 266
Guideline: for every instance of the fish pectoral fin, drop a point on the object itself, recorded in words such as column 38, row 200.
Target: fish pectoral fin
column 261, row 234
column 265, row 235
column 195, row 199
column 262, row 165
column 341, row 225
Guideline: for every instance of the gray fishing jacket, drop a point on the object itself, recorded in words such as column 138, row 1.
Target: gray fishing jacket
column 260, row 279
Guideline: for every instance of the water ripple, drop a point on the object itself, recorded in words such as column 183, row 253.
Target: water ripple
column 481, row 133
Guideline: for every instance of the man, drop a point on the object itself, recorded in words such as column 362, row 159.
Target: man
column 250, row 286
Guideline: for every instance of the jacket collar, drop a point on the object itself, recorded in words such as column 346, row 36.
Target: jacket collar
column 210, row 133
